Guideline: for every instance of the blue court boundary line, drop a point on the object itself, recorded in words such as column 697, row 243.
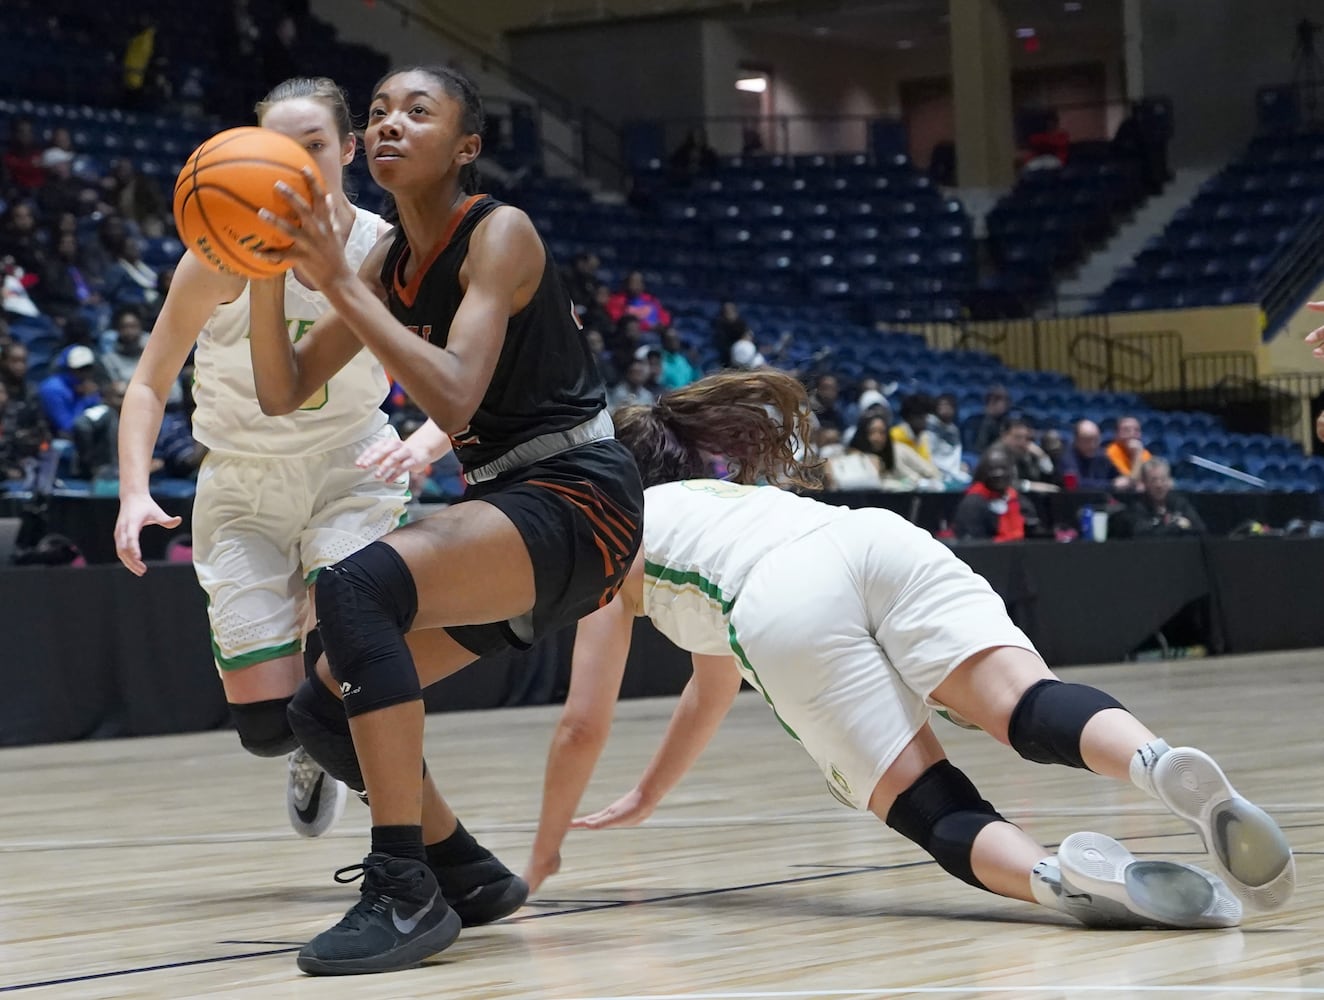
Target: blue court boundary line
column 588, row 907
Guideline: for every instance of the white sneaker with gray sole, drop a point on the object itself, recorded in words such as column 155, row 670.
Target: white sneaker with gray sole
column 313, row 799
column 1246, row 846
column 1104, row 885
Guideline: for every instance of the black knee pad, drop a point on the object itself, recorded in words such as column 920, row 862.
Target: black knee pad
column 312, row 652
column 1046, row 723
column 365, row 605
column 318, row 720
column 263, row 728
column 943, row 812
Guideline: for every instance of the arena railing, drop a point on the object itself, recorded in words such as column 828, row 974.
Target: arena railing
column 598, row 139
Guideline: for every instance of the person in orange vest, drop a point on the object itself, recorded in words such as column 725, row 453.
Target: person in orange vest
column 1128, row 452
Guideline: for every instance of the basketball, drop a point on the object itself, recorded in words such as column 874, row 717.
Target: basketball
column 221, row 188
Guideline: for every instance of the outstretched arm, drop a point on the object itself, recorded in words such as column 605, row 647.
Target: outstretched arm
column 602, row 644
column 703, row 705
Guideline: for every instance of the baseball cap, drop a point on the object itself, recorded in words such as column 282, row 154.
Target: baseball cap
column 80, row 357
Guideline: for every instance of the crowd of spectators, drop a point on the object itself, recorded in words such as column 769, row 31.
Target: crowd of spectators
column 876, row 439
column 80, row 301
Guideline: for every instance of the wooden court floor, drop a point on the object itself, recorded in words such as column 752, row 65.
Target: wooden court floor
column 165, row 868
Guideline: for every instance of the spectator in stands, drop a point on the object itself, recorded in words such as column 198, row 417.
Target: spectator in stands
column 632, row 389
column 70, row 390
column 694, row 156
column 95, row 432
column 138, row 59
column 581, row 280
column 62, row 192
column 21, row 240
column 176, row 453
column 944, row 428
column 121, row 361
column 1055, row 447
column 1128, row 453
column 62, row 141
column 1084, row 464
column 135, row 197
column 1158, row 511
column 635, row 300
column 25, row 441
column 606, row 366
column 14, row 370
column 728, row 327
column 64, row 290
column 12, row 472
column 996, row 403
column 678, row 367
column 745, row 354
column 869, row 462
column 22, row 159
column 1034, row 469
column 825, row 401
column 1042, row 156
column 911, row 431
column 627, row 341
column 595, row 315
column 991, row 509
column 651, row 355
column 131, row 281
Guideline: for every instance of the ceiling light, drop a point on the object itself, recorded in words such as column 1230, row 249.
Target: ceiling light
column 905, row 43
column 1072, row 6
column 752, row 84
column 1024, row 32
column 822, row 30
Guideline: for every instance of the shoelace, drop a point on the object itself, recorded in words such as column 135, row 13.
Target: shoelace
column 371, row 898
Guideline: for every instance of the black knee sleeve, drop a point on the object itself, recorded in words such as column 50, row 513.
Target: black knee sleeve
column 1046, row 723
column 318, row 720
column 943, row 812
column 263, row 728
column 365, row 605
column 312, row 652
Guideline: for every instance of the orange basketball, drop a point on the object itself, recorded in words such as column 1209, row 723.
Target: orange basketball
column 221, row 188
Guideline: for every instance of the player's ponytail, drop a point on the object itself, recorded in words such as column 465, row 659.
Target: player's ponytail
column 754, row 420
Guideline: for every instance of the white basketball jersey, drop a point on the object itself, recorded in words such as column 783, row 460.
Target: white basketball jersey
column 702, row 537
column 346, row 409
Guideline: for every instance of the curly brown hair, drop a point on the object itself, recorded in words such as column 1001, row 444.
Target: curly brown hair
column 753, row 419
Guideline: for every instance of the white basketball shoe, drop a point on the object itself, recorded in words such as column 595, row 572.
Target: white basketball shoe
column 1246, row 846
column 313, row 799
column 1100, row 883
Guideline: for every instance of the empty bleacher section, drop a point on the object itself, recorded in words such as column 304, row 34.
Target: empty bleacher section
column 1053, row 218
column 1251, row 235
column 869, row 235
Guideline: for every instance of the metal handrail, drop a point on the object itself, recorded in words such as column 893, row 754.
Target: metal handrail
column 544, row 96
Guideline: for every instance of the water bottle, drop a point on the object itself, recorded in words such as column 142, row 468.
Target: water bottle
column 1087, row 523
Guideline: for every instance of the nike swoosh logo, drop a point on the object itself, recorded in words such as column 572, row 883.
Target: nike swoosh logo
column 407, row 926
column 309, row 812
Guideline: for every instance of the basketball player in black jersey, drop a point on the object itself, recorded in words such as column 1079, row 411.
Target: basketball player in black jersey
column 464, row 306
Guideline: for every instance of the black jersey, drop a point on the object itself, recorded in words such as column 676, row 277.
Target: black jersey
column 545, row 380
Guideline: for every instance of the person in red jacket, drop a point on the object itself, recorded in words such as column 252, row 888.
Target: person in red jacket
column 635, row 300
column 992, row 510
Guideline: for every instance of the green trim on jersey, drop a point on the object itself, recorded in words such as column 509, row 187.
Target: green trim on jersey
column 689, row 578
column 758, row 683
column 257, row 656
column 710, row 590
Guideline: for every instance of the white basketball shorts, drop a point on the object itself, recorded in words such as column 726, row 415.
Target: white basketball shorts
column 263, row 528
column 848, row 630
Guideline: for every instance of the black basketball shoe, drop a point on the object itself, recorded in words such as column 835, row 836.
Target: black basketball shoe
column 400, row 919
column 481, row 891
